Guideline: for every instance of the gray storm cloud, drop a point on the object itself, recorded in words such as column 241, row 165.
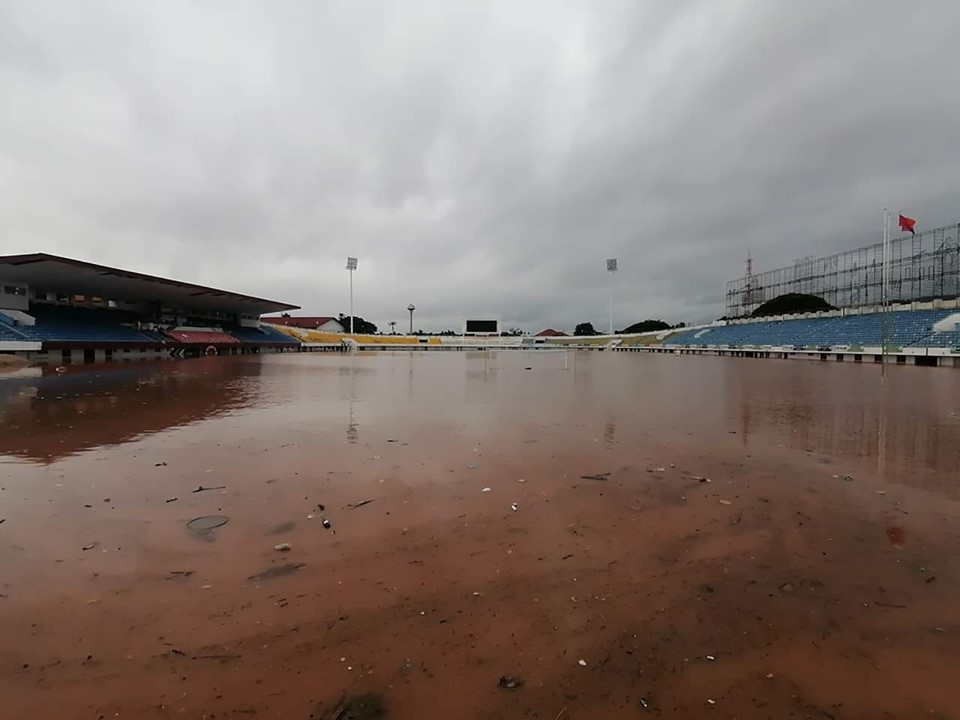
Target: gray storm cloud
column 479, row 158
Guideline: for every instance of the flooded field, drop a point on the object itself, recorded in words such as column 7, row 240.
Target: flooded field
column 475, row 535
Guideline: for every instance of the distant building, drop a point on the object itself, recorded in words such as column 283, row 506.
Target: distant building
column 550, row 332
column 323, row 324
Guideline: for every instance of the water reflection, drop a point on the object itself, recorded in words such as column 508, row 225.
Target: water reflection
column 45, row 416
column 904, row 430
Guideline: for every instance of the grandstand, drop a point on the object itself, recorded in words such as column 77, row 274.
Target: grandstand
column 56, row 309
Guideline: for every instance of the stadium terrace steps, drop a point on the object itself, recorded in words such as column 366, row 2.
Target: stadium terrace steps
column 202, row 337
column 263, row 335
column 67, row 324
column 911, row 328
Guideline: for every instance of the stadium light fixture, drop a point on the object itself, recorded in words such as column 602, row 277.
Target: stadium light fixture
column 351, row 266
column 411, row 307
column 612, row 269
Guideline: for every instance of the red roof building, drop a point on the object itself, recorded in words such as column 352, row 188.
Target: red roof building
column 550, row 332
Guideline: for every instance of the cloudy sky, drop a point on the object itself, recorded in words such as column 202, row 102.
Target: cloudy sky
column 480, row 158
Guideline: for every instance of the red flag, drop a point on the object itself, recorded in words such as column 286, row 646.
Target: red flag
column 906, row 224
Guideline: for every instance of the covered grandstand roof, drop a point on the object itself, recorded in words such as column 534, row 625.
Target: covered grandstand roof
column 60, row 273
column 308, row 322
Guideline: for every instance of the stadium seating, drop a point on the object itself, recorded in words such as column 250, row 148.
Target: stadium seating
column 904, row 329
column 8, row 332
column 70, row 324
column 202, row 337
column 263, row 334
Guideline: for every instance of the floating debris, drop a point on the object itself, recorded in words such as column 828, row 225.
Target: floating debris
column 201, row 488
column 359, row 504
column 206, row 523
column 169, row 500
column 600, row 477
column 507, row 682
column 726, row 502
column 277, row 571
column 358, row 707
column 513, row 506
column 486, row 489
column 90, row 546
column 326, row 523
column 282, row 547
column 582, row 662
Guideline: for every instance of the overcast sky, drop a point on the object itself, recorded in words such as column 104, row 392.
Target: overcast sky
column 480, row 158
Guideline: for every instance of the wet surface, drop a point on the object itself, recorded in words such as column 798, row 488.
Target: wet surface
column 692, row 537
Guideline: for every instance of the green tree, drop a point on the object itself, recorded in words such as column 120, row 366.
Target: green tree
column 585, row 329
column 360, row 326
column 646, row 326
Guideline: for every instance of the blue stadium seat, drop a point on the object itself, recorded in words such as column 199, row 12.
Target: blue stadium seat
column 70, row 324
column 904, row 329
column 265, row 334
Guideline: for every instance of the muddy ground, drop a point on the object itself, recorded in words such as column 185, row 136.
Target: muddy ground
column 755, row 539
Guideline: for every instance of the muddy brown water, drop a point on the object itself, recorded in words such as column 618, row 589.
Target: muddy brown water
column 778, row 589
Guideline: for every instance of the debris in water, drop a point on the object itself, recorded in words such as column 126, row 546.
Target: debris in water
column 848, row 478
column 358, row 707
column 880, row 492
column 711, row 658
column 509, row 683
column 181, row 573
column 282, row 547
column 711, row 702
column 726, row 502
column 359, row 504
column 90, row 546
column 201, row 488
column 582, row 663
column 207, row 522
column 486, row 489
column 700, row 479
column 170, row 500
column 656, row 470
column 278, row 571
column 513, row 506
column 601, row 477
column 203, row 527
column 160, row 464
column 327, row 524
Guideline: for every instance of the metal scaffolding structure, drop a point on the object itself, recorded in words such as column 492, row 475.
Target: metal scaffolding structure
column 922, row 267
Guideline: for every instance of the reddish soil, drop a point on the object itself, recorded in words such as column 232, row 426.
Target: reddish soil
column 814, row 576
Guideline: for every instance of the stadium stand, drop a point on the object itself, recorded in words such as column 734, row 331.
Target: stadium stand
column 71, row 324
column 60, row 310
column 906, row 328
column 265, row 334
column 202, row 337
